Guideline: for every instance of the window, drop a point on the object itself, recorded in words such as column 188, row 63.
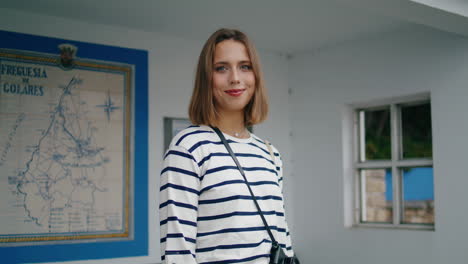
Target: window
column 393, row 167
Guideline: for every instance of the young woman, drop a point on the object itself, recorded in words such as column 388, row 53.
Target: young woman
column 207, row 213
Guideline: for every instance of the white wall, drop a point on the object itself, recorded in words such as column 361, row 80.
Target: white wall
column 406, row 61
column 171, row 69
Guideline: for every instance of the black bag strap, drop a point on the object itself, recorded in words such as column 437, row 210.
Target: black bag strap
column 226, row 144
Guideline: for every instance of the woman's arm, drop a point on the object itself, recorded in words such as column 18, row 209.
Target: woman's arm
column 279, row 168
column 178, row 207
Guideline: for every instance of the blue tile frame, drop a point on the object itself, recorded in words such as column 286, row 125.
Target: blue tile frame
column 138, row 246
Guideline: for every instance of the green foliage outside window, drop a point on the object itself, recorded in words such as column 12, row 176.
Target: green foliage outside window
column 378, row 140
column 416, row 133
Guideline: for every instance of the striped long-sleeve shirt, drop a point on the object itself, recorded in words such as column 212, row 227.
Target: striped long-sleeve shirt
column 207, row 214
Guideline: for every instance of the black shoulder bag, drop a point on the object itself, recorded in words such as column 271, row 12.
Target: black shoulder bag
column 277, row 255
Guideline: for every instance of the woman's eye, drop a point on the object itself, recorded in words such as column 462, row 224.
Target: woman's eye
column 246, row 67
column 220, row 68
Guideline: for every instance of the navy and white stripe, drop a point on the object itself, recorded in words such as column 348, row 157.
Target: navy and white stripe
column 206, row 212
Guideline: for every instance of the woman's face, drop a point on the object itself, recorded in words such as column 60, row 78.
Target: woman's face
column 233, row 78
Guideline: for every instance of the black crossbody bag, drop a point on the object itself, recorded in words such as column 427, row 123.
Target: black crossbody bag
column 277, row 255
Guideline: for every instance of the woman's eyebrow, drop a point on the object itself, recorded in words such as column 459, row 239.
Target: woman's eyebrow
column 220, row 62
column 225, row 62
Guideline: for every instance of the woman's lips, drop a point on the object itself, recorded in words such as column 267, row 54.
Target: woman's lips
column 235, row 92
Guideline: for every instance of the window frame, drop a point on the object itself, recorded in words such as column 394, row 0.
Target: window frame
column 395, row 164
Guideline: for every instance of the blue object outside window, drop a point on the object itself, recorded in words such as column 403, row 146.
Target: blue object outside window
column 418, row 184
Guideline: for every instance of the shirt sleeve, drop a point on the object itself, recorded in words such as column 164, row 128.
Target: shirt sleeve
column 279, row 167
column 279, row 163
column 179, row 193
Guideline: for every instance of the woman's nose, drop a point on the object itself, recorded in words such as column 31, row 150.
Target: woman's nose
column 235, row 78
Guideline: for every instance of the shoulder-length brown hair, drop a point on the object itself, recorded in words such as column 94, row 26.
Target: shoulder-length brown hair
column 202, row 110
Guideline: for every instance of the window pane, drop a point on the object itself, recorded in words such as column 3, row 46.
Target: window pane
column 418, row 195
column 376, row 197
column 417, row 132
column 376, row 134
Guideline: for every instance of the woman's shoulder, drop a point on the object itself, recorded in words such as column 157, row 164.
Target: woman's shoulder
column 192, row 135
column 264, row 143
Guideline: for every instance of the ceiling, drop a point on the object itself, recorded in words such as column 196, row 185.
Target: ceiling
column 276, row 25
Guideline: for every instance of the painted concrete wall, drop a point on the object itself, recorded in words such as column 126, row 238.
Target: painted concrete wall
column 172, row 63
column 388, row 65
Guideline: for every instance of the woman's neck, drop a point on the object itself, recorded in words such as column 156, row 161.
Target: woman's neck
column 233, row 124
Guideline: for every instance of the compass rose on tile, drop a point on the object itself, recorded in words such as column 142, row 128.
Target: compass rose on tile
column 108, row 106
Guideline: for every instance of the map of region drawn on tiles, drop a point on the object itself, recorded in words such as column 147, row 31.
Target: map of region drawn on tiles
column 64, row 147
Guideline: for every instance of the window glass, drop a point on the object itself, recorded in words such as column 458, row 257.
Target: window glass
column 418, row 195
column 401, row 127
column 376, row 134
column 417, row 133
column 376, row 197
